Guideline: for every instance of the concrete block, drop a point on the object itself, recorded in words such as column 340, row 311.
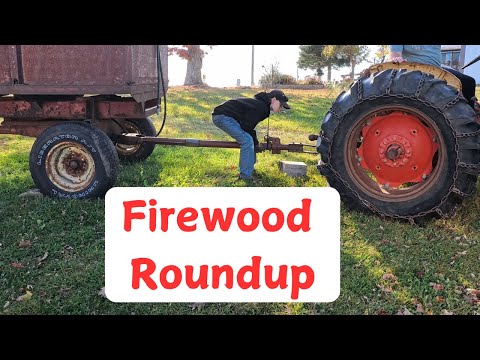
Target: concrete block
column 293, row 168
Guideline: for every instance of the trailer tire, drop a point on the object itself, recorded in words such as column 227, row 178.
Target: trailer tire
column 73, row 160
column 138, row 152
column 393, row 108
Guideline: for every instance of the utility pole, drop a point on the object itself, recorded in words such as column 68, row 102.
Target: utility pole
column 271, row 66
column 253, row 57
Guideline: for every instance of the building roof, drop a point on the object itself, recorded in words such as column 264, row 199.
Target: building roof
column 451, row 47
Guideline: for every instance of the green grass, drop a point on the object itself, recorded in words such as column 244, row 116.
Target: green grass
column 55, row 249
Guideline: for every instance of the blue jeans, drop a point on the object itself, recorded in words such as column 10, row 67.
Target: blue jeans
column 247, row 153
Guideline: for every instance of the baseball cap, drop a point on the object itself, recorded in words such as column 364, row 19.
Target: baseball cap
column 280, row 96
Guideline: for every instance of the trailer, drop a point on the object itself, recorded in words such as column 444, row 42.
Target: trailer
column 76, row 100
column 89, row 107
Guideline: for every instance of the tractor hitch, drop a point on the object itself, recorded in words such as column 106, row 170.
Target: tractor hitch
column 274, row 145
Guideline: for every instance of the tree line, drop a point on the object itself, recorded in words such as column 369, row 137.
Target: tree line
column 313, row 57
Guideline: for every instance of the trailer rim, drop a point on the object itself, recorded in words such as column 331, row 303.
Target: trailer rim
column 70, row 166
column 126, row 149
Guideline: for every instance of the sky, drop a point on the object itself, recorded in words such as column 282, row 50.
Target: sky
column 224, row 65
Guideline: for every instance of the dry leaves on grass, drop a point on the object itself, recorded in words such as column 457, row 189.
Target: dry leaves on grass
column 472, row 296
column 390, row 281
column 198, row 305
column 420, row 274
column 457, row 256
column 389, row 277
column 25, row 297
column 24, row 244
column 419, row 306
column 17, row 265
column 436, row 287
column 403, row 311
column 386, row 289
column 41, row 259
column 102, row 292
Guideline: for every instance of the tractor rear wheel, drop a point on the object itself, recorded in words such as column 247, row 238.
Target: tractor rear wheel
column 402, row 144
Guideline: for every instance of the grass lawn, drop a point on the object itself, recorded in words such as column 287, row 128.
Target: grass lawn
column 52, row 251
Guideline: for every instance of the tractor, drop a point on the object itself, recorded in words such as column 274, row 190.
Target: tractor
column 402, row 142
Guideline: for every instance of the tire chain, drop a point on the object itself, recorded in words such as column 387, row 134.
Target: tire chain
column 458, row 163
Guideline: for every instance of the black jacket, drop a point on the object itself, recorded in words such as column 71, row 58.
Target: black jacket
column 247, row 111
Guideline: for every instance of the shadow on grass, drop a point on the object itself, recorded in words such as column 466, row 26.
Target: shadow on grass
column 389, row 266
column 190, row 167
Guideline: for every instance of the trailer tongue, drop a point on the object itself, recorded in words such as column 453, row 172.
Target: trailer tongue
column 272, row 144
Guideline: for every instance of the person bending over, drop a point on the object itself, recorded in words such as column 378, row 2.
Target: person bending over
column 238, row 118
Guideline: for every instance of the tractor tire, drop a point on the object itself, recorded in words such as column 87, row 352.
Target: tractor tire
column 137, row 152
column 402, row 144
column 73, row 160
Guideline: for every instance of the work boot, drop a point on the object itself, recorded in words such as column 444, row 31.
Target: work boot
column 242, row 177
column 254, row 173
column 249, row 180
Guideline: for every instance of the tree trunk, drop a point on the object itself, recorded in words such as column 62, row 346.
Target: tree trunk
column 194, row 66
column 352, row 73
column 329, row 72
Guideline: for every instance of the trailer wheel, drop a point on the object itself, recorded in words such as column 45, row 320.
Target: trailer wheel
column 73, row 160
column 402, row 144
column 137, row 152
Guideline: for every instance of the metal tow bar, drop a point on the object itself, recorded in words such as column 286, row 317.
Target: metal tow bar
column 272, row 144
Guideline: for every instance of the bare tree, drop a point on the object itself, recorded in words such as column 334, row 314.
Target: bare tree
column 194, row 56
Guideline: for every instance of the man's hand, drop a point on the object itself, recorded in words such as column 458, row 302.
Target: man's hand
column 396, row 57
column 258, row 148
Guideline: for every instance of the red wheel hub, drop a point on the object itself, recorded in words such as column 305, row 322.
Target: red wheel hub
column 397, row 148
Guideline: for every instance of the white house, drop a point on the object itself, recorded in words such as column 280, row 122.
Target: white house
column 456, row 56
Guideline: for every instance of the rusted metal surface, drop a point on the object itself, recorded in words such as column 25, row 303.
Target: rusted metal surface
column 31, row 128
column 48, row 110
column 276, row 146
column 82, row 69
column 70, row 166
column 65, row 65
column 31, row 117
column 81, row 108
column 8, row 65
column 119, row 110
column 273, row 144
